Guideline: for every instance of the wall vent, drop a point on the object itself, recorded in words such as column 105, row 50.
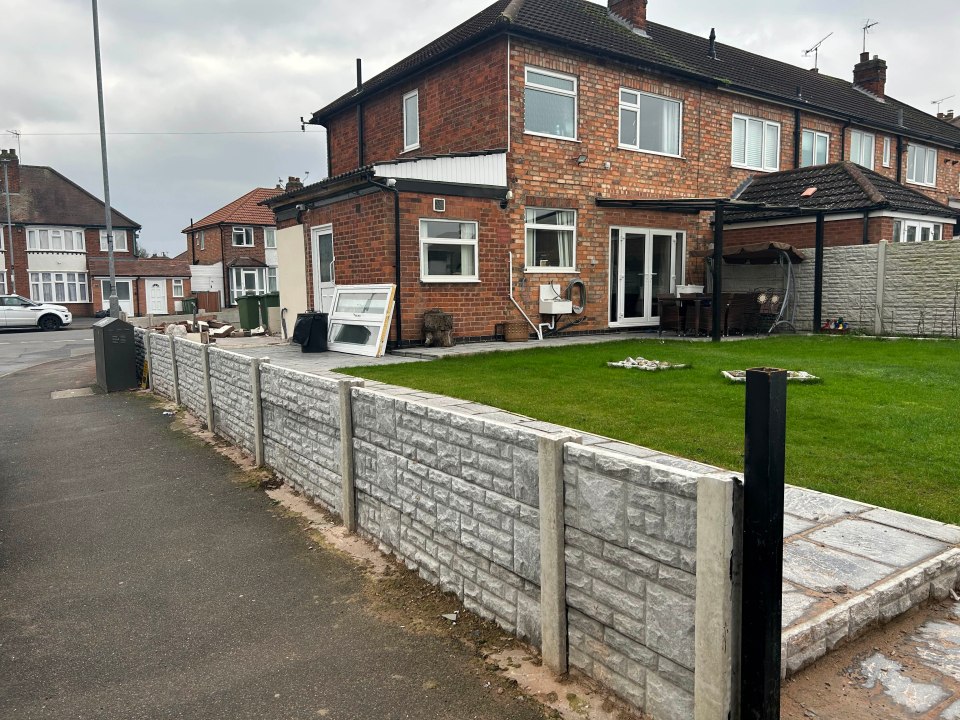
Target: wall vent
column 439, row 205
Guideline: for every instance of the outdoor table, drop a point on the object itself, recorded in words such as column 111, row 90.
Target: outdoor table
column 685, row 304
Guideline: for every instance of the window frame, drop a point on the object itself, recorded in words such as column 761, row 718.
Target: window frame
column 117, row 234
column 886, row 151
column 237, row 290
column 816, row 135
column 555, row 269
column 3, row 282
column 622, row 105
column 270, row 238
column 575, row 94
column 79, row 280
column 407, row 147
column 173, row 289
column 926, row 151
column 273, row 279
column 34, row 232
column 379, row 320
column 873, row 148
column 244, row 229
column 425, row 240
column 902, row 224
column 766, row 123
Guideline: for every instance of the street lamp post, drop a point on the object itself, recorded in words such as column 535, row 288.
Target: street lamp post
column 114, row 301
column 6, row 191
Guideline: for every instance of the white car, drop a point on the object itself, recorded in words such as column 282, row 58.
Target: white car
column 19, row 312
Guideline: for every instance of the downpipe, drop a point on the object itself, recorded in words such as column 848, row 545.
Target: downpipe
column 537, row 329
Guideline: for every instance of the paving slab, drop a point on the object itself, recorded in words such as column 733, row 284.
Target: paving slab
column 894, row 547
column 819, row 507
column 827, row 570
column 795, row 604
column 921, row 526
column 793, row 525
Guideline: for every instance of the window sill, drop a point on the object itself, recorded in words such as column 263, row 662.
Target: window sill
column 410, row 149
column 551, row 270
column 449, row 280
column 61, row 252
column 650, row 152
column 921, row 184
column 754, row 169
column 552, row 137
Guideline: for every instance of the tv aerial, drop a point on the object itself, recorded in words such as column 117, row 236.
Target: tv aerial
column 939, row 102
column 815, row 51
column 866, row 31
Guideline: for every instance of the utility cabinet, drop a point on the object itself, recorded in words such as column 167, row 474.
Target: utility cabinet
column 116, row 353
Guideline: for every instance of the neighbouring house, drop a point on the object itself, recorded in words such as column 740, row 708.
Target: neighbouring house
column 58, row 235
column 233, row 251
column 553, row 149
column 145, row 286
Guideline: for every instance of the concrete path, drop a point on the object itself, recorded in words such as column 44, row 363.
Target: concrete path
column 140, row 581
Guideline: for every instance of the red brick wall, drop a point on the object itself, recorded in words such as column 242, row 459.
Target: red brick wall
column 462, row 108
column 221, row 237
column 835, row 233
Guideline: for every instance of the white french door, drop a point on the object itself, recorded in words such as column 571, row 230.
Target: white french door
column 644, row 264
column 324, row 278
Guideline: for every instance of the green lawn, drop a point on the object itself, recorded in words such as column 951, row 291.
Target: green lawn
column 883, row 427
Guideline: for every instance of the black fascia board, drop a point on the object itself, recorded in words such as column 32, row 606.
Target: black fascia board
column 427, row 187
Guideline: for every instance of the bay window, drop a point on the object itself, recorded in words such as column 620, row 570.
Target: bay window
column 921, row 165
column 55, row 239
column 756, row 144
column 448, row 251
column 551, row 238
column 59, row 287
column 649, row 122
column 550, row 104
column 247, row 281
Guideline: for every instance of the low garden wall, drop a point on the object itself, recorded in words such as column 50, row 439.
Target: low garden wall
column 589, row 554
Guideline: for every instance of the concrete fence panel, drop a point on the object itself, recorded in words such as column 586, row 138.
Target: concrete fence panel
column 190, row 377
column 232, row 397
column 161, row 370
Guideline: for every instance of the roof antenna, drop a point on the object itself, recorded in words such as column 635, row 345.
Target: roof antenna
column 815, row 50
column 866, row 31
column 939, row 102
column 713, row 43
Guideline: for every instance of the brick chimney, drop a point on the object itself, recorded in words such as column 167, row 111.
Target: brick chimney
column 293, row 183
column 10, row 160
column 633, row 11
column 870, row 74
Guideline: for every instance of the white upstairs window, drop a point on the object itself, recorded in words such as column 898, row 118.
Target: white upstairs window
column 270, row 238
column 922, row 165
column 242, row 236
column 862, row 146
column 411, row 121
column 756, row 144
column 886, row 152
column 814, row 148
column 649, row 123
column 550, row 104
column 119, row 240
column 56, row 239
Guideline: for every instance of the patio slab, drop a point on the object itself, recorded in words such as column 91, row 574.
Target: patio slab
column 870, row 540
column 826, row 570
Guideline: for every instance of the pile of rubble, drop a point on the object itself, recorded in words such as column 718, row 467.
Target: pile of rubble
column 209, row 329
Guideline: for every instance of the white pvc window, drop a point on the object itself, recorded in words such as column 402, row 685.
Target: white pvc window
column 119, row 240
column 550, row 104
column 55, row 239
column 814, row 148
column 1, row 237
column 649, row 122
column 411, row 121
column 203, row 239
column 272, row 280
column 551, row 240
column 178, row 287
column 3, row 283
column 247, row 281
column 756, row 144
column 862, row 148
column 360, row 319
column 886, row 152
column 913, row 231
column 59, row 287
column 242, row 237
column 921, row 165
column 270, row 238
column 448, row 251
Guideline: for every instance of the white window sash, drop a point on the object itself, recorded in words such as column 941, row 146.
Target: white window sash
column 886, row 152
column 247, row 236
column 862, row 148
column 177, row 288
column 671, row 123
column 574, row 94
column 411, row 121
column 119, row 241
column 376, row 323
column 755, row 144
column 470, row 249
column 270, row 238
column 567, row 252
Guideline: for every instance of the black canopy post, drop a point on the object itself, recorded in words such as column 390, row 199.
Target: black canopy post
column 717, row 331
column 818, row 276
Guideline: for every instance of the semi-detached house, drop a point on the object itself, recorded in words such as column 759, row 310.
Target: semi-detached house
column 519, row 154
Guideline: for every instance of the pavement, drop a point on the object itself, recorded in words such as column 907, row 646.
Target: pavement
column 142, row 580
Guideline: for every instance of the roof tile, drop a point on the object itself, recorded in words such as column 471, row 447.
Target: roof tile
column 244, row 210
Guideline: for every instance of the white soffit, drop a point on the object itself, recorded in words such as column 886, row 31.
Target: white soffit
column 468, row 170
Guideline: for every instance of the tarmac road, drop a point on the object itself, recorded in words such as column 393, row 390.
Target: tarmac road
column 137, row 580
column 21, row 349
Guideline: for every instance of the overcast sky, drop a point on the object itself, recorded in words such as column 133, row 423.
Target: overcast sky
column 229, row 66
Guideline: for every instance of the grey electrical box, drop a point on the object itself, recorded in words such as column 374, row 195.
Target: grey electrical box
column 116, row 354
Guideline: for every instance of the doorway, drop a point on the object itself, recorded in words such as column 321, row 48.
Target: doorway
column 644, row 264
column 124, row 295
column 324, row 278
column 157, row 297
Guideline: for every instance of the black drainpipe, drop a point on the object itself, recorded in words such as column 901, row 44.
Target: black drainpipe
column 843, row 140
column 796, row 138
column 396, row 228
column 359, row 114
column 226, row 274
column 899, row 158
column 866, row 227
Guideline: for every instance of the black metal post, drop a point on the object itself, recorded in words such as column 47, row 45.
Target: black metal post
column 716, row 330
column 818, row 277
column 761, row 609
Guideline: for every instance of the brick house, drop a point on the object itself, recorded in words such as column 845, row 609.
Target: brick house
column 233, row 250
column 158, row 285
column 533, row 146
column 59, row 229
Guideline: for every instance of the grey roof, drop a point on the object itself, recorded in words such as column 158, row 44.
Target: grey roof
column 841, row 187
column 48, row 198
column 590, row 27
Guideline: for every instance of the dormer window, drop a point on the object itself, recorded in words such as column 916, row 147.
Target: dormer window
column 243, row 237
column 411, row 121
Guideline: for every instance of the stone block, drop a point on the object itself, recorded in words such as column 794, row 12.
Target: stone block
column 666, row 701
column 601, row 503
column 670, row 624
column 526, row 551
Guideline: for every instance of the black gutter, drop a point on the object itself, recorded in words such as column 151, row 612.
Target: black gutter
column 396, row 226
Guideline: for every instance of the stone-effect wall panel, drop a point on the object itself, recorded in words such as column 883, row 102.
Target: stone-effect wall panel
column 162, row 368
column 193, row 395
column 232, row 397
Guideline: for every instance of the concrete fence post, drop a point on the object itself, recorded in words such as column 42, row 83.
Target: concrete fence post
column 349, row 490
column 717, row 615
column 207, row 385
column 257, row 409
column 148, row 358
column 553, row 574
column 881, row 279
column 175, row 372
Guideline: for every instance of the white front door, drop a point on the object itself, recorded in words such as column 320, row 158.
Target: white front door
column 157, row 297
column 324, row 279
column 124, row 295
column 644, row 264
